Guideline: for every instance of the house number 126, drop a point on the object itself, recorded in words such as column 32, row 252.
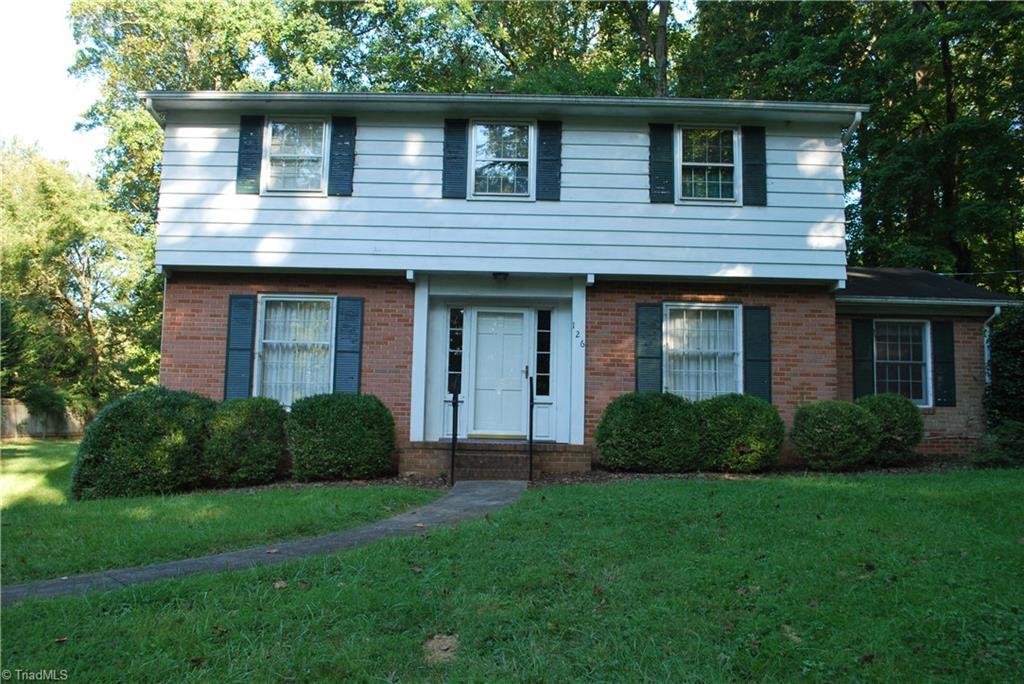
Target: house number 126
column 578, row 334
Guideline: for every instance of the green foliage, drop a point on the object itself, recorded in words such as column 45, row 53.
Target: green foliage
column 740, row 433
column 340, row 437
column 835, row 435
column 650, row 432
column 1002, row 446
column 73, row 273
column 1004, row 397
column 149, row 442
column 901, row 424
column 246, row 443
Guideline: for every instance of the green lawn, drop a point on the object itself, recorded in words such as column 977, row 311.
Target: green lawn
column 46, row 536
column 857, row 578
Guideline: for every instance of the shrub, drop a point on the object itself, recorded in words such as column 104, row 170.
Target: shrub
column 649, row 432
column 246, row 445
column 901, row 424
column 149, row 442
column 1004, row 397
column 740, row 433
column 1001, row 446
column 835, row 435
column 340, row 436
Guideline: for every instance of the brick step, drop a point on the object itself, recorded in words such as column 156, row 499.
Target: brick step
column 491, row 474
column 491, row 460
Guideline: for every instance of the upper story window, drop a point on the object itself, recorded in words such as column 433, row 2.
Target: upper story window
column 702, row 350
column 501, row 160
column 294, row 156
column 902, row 359
column 707, row 162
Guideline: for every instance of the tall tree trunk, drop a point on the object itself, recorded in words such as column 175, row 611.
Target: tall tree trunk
column 950, row 172
column 661, row 48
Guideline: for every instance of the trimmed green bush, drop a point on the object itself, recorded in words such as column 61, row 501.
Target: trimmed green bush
column 901, row 424
column 1004, row 397
column 740, row 433
column 650, row 432
column 149, row 442
column 247, row 443
column 340, row 437
column 835, row 435
column 1002, row 446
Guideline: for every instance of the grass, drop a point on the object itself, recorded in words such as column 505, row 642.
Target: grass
column 855, row 578
column 45, row 535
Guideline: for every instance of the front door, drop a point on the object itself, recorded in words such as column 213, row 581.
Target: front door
column 499, row 391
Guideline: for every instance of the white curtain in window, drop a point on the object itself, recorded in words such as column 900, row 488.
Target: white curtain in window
column 295, row 354
column 701, row 352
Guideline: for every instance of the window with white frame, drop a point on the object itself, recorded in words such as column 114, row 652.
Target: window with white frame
column 501, row 159
column 707, row 157
column 702, row 351
column 295, row 356
column 294, row 154
column 902, row 358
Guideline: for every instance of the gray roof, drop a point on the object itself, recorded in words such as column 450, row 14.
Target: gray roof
column 893, row 284
column 742, row 111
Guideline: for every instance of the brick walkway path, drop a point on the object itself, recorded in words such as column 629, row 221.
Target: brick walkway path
column 466, row 500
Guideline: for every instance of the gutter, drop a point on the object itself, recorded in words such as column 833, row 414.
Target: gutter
column 925, row 301
column 987, row 327
column 157, row 116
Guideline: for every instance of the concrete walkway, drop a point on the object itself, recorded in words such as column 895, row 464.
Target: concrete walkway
column 466, row 500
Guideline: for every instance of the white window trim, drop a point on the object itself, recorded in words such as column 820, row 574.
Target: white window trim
column 737, row 166
column 667, row 306
column 261, row 301
column 531, row 162
column 926, row 350
column 265, row 159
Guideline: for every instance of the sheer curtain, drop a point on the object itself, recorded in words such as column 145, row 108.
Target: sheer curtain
column 295, row 354
column 701, row 352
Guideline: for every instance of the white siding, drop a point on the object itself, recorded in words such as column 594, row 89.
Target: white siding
column 604, row 223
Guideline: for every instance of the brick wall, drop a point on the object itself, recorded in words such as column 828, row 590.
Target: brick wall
column 195, row 324
column 949, row 430
column 803, row 338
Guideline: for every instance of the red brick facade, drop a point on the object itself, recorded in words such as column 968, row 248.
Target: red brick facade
column 803, row 338
column 192, row 350
column 949, row 430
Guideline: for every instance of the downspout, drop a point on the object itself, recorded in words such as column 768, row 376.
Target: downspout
column 988, row 342
column 157, row 116
column 854, row 125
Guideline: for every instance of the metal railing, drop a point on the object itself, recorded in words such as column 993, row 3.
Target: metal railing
column 455, row 437
column 529, row 437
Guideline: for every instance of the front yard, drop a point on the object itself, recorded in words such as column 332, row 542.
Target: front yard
column 869, row 577
column 46, row 536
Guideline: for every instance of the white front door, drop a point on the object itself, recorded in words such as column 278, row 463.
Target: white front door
column 499, row 391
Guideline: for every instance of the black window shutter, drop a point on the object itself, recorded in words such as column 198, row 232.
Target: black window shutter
column 943, row 363
column 662, row 163
column 241, row 339
column 648, row 348
column 342, row 160
column 863, row 357
column 250, row 155
column 456, row 149
column 757, row 351
column 755, row 181
column 549, row 160
column 348, row 345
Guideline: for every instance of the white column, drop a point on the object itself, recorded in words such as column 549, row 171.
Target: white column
column 418, row 391
column 578, row 359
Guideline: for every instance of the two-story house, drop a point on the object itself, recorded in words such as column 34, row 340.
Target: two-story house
column 455, row 251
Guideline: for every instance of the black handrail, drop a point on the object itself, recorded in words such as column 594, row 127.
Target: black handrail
column 530, row 435
column 455, row 437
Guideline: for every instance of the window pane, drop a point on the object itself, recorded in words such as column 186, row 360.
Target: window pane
column 701, row 352
column 707, row 145
column 543, row 388
column 302, row 138
column 900, row 364
column 455, row 317
column 707, row 182
column 295, row 174
column 504, row 178
column 295, row 351
column 502, row 141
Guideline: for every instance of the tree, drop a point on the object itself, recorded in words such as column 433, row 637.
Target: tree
column 73, row 273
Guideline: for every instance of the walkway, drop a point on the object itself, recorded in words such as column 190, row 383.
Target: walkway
column 466, row 500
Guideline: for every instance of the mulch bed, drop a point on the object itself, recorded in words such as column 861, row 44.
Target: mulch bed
column 393, row 481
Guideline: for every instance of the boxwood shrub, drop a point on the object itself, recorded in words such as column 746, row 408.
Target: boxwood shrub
column 340, row 437
column 835, row 435
column 149, row 442
column 649, row 432
column 246, row 444
column 902, row 428
column 1002, row 446
column 740, row 433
